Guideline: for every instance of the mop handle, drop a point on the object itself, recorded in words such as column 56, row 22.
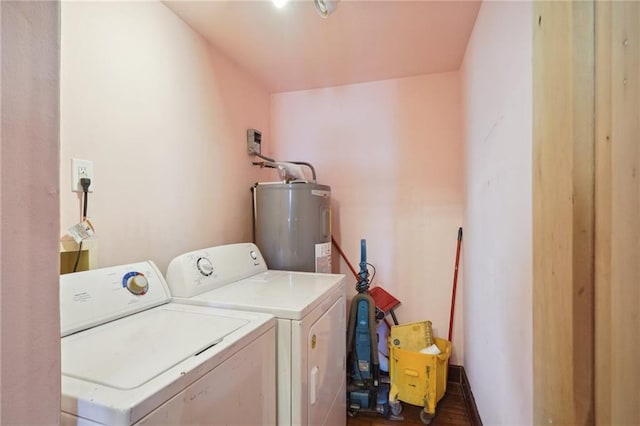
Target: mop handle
column 455, row 284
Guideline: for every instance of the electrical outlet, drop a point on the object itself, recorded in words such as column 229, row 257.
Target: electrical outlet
column 81, row 169
column 254, row 140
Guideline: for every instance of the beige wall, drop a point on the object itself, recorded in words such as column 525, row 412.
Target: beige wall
column 164, row 118
column 29, row 321
column 496, row 75
column 392, row 153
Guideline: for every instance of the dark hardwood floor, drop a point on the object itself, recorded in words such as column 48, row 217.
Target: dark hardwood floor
column 451, row 410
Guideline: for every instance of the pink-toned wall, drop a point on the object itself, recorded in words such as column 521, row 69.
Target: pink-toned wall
column 163, row 117
column 29, row 319
column 496, row 76
column 392, row 153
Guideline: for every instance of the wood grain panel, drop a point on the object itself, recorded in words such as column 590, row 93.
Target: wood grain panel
column 618, row 211
column 563, row 206
column 603, row 216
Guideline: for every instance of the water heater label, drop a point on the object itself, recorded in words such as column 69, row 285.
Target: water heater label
column 319, row 193
column 323, row 258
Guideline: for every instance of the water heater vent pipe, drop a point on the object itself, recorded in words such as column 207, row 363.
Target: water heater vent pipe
column 270, row 162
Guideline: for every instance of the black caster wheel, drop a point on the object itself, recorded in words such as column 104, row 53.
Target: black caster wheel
column 396, row 408
column 426, row 418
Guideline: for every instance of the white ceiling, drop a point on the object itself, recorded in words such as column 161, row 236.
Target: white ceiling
column 293, row 48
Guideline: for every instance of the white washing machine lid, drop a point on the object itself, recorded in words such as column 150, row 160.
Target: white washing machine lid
column 284, row 294
column 128, row 352
column 118, row 372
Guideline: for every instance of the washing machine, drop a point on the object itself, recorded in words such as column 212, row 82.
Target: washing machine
column 310, row 312
column 131, row 356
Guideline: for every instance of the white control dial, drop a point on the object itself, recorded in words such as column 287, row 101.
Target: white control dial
column 137, row 283
column 204, row 266
column 253, row 255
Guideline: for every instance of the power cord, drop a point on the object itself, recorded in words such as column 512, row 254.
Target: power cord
column 85, row 183
column 374, row 272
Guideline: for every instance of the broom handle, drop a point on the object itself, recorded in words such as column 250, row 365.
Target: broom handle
column 455, row 284
column 335, row 243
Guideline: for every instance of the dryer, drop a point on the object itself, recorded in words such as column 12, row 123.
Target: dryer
column 131, row 356
column 310, row 311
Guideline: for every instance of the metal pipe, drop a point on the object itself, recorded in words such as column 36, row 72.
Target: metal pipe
column 300, row 163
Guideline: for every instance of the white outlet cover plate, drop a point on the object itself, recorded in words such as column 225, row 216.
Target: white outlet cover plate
column 76, row 165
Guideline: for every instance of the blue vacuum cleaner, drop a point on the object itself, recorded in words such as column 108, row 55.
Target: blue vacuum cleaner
column 365, row 391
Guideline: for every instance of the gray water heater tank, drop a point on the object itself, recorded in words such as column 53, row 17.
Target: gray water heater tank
column 292, row 225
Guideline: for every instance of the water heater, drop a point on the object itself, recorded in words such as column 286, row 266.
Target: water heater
column 292, row 225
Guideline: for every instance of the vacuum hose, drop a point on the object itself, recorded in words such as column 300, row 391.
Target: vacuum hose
column 363, row 276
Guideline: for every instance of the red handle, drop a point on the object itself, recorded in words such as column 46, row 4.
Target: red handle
column 455, row 284
column 335, row 243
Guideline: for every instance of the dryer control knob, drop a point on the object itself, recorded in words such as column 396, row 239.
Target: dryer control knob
column 253, row 255
column 205, row 266
column 137, row 284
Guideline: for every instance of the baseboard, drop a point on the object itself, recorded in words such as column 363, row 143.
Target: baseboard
column 457, row 374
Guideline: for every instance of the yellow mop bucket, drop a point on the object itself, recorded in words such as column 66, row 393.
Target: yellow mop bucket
column 417, row 378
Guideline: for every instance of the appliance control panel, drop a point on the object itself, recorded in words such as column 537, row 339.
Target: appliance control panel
column 93, row 297
column 199, row 271
column 205, row 266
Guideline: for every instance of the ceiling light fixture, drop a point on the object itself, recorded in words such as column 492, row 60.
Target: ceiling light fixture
column 280, row 3
column 325, row 7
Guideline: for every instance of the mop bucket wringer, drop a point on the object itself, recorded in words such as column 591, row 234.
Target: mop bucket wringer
column 417, row 378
